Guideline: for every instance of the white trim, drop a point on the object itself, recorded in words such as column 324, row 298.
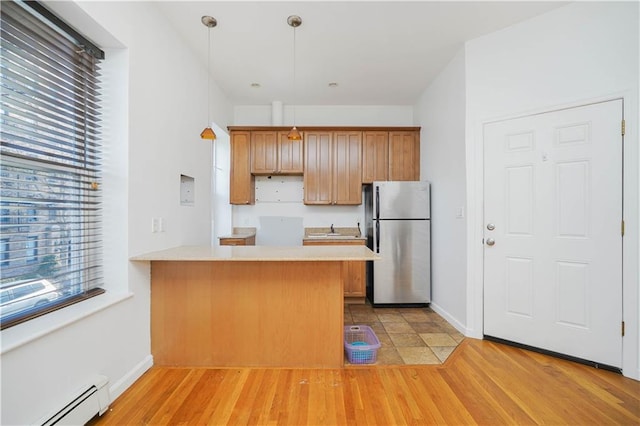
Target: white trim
column 450, row 319
column 129, row 379
column 631, row 241
column 631, row 249
column 21, row 334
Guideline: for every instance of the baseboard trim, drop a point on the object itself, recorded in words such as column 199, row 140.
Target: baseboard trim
column 129, row 379
column 450, row 319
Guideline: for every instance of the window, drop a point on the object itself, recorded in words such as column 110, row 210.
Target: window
column 50, row 164
column 32, row 249
column 4, row 252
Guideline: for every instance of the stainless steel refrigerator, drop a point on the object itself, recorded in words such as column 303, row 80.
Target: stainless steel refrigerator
column 398, row 228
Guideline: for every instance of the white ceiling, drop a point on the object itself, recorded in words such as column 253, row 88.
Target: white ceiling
column 379, row 53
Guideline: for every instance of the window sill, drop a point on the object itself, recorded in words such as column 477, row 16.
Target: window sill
column 21, row 334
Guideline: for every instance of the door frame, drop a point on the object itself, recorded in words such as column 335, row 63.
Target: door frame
column 630, row 244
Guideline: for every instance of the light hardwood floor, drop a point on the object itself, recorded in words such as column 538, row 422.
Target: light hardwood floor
column 480, row 383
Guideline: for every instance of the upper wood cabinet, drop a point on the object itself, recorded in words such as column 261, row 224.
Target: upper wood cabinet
column 318, row 168
column 375, row 156
column 404, row 155
column 347, row 168
column 264, row 149
column 242, row 182
column 335, row 161
column 273, row 153
column 290, row 155
column 333, row 168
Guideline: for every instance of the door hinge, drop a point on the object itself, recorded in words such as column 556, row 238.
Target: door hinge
column 622, row 329
column 622, row 228
column 623, row 127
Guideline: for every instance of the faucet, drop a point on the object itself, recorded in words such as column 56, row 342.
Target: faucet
column 332, row 230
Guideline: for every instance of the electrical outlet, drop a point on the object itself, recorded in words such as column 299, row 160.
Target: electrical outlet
column 155, row 224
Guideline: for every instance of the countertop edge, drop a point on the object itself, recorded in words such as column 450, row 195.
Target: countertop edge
column 259, row 254
column 242, row 236
column 342, row 238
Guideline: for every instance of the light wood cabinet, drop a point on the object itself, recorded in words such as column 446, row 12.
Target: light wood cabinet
column 273, row 153
column 242, row 182
column 335, row 161
column 224, row 313
column 355, row 273
column 318, row 168
column 333, row 168
column 404, row 155
column 375, row 156
column 290, row 155
column 264, row 149
column 347, row 172
column 238, row 241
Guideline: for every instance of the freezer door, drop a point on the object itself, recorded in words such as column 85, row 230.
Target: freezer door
column 401, row 200
column 403, row 274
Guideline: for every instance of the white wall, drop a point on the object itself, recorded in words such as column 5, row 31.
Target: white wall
column 308, row 216
column 327, row 115
column 579, row 53
column 154, row 112
column 441, row 114
column 221, row 210
column 318, row 115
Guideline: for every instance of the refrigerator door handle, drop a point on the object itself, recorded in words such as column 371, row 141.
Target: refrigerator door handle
column 377, row 236
column 377, row 202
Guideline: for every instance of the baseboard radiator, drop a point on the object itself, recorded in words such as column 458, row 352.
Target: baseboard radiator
column 89, row 401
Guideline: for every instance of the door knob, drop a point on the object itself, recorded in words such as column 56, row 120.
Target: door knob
column 491, row 226
column 490, row 241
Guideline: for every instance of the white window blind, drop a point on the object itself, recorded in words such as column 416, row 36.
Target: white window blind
column 50, row 164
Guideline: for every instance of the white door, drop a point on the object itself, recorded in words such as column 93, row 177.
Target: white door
column 553, row 243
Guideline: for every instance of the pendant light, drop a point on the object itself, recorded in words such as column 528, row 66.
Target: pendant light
column 209, row 22
column 294, row 21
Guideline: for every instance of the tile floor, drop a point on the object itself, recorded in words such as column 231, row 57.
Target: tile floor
column 407, row 335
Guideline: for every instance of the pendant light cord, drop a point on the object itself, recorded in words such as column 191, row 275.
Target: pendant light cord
column 295, row 97
column 294, row 21
column 209, row 78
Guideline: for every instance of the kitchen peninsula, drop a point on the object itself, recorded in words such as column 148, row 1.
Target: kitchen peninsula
column 249, row 305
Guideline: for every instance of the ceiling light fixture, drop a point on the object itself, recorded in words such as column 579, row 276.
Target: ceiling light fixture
column 294, row 21
column 209, row 22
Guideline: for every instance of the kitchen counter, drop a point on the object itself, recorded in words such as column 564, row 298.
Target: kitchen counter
column 249, row 305
column 260, row 254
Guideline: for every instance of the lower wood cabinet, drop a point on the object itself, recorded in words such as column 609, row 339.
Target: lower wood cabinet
column 356, row 274
column 238, row 241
